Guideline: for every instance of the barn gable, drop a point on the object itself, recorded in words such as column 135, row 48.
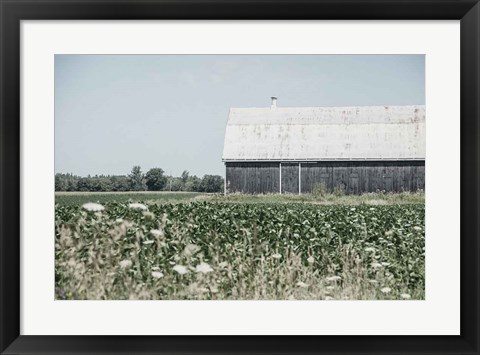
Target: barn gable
column 325, row 133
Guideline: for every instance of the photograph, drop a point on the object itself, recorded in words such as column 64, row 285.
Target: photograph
column 240, row 177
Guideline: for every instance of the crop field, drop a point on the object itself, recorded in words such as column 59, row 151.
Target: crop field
column 240, row 247
column 79, row 198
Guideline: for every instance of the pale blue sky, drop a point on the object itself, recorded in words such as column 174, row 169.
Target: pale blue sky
column 170, row 111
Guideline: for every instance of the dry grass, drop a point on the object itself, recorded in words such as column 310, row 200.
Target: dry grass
column 374, row 198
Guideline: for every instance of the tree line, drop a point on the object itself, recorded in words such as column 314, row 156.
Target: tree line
column 153, row 180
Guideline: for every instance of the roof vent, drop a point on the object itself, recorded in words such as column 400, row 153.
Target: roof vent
column 274, row 102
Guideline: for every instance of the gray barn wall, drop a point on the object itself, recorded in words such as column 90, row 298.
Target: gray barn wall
column 353, row 177
column 290, row 178
column 252, row 178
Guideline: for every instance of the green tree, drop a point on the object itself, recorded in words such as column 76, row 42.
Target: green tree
column 174, row 184
column 85, row 184
column 60, row 182
column 212, row 183
column 102, row 183
column 72, row 183
column 155, row 179
column 193, row 183
column 119, row 183
column 185, row 176
column 136, row 179
column 177, row 184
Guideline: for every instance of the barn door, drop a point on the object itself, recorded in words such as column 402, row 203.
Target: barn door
column 290, row 178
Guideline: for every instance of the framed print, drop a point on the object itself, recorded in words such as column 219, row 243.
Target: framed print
column 238, row 177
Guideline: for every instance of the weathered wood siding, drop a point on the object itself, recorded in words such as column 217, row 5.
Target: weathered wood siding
column 290, row 178
column 368, row 176
column 353, row 177
column 253, row 178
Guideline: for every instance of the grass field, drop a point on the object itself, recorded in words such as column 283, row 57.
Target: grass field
column 208, row 246
column 79, row 198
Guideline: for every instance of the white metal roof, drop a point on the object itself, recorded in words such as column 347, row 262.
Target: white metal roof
column 325, row 133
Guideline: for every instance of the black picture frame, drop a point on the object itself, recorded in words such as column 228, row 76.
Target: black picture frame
column 13, row 11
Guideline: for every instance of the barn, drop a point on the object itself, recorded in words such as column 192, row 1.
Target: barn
column 354, row 149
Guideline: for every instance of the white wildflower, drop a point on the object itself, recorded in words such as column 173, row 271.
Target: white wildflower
column 195, row 289
column 191, row 249
column 157, row 274
column 137, row 206
column 388, row 233
column 127, row 224
column 148, row 242
column 276, row 256
column 386, row 290
column 418, row 229
column 149, row 214
column 302, row 284
column 385, row 264
column 93, row 207
column 311, row 260
column 334, row 278
column 125, row 264
column 156, row 233
column 182, row 270
column 204, row 268
column 405, row 296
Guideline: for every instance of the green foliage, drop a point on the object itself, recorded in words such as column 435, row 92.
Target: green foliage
column 66, row 182
column 174, row 184
column 155, row 180
column 119, row 183
column 185, row 175
column 255, row 251
column 212, row 183
column 97, row 183
column 137, row 179
column 193, row 183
